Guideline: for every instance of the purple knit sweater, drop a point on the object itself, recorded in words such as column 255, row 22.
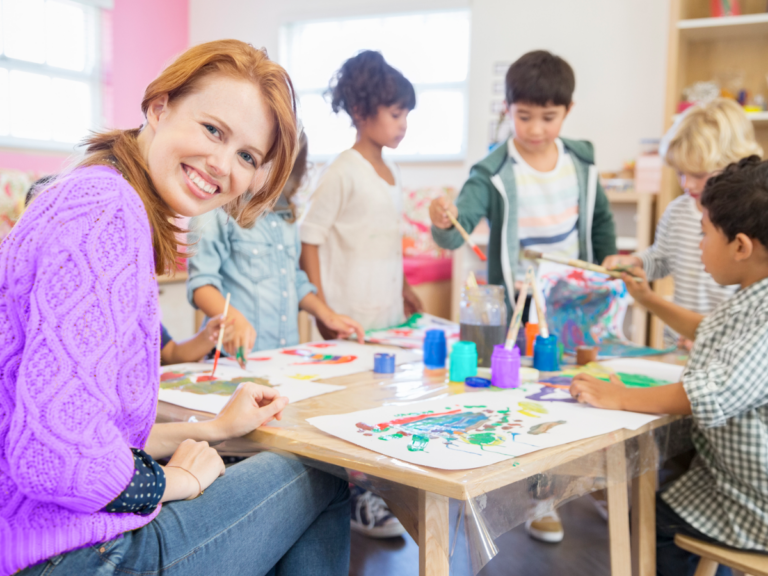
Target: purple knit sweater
column 79, row 359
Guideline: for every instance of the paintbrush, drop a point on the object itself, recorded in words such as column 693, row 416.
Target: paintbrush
column 517, row 315
column 471, row 280
column 466, row 237
column 221, row 337
column 540, row 312
column 574, row 263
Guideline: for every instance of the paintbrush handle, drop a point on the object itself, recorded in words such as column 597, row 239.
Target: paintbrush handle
column 514, row 326
column 224, row 316
column 540, row 311
column 574, row 263
column 459, row 227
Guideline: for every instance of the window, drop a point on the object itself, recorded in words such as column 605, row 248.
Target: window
column 430, row 49
column 50, row 92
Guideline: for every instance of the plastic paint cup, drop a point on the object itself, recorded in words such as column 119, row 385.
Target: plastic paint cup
column 505, row 367
column 384, row 363
column 546, row 354
column 435, row 349
column 463, row 361
column 531, row 331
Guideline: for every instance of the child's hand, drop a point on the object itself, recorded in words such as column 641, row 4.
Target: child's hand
column 437, row 209
column 241, row 334
column 598, row 393
column 211, row 330
column 344, row 326
column 684, row 344
column 411, row 301
column 637, row 284
column 616, row 261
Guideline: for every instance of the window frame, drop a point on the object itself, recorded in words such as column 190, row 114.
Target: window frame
column 284, row 59
column 92, row 76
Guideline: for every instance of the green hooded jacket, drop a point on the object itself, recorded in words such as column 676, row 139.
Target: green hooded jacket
column 491, row 192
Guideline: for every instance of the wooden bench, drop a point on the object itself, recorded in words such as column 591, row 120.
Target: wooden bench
column 712, row 555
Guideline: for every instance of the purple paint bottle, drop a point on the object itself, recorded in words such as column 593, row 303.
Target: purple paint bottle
column 505, row 367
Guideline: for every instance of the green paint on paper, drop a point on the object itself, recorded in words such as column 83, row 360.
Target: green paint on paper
column 418, row 443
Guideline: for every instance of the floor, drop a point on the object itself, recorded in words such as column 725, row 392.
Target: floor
column 583, row 551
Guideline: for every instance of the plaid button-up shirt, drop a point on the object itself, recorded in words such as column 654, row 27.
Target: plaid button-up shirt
column 725, row 492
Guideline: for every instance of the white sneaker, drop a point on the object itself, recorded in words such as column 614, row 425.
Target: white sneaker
column 372, row 517
column 546, row 528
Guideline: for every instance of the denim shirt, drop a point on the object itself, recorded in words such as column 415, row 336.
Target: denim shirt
column 258, row 266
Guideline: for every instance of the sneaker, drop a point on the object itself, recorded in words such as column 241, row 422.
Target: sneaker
column 371, row 516
column 546, row 528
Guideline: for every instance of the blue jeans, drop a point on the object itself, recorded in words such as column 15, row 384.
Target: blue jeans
column 268, row 515
column 671, row 560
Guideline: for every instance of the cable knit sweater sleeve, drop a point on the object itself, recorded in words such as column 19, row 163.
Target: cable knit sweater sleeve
column 84, row 394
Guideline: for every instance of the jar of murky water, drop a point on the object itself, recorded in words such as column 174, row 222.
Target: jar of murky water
column 483, row 317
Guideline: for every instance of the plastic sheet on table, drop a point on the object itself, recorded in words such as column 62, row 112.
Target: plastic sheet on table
column 486, row 502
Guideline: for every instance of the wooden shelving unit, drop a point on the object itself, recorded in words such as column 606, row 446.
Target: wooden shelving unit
column 634, row 214
column 700, row 49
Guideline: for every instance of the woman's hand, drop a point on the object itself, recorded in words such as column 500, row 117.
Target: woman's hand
column 411, row 301
column 250, row 407
column 242, row 334
column 617, row 261
column 637, row 285
column 437, row 209
column 197, row 459
column 343, row 326
column 599, row 393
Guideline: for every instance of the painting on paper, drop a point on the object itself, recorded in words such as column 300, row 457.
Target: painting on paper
column 293, row 371
column 588, row 309
column 411, row 333
column 476, row 429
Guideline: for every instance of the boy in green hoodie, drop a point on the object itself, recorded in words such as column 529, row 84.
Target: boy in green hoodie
column 538, row 191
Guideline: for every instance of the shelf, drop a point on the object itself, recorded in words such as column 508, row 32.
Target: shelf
column 628, row 243
column 759, row 118
column 698, row 29
column 628, row 197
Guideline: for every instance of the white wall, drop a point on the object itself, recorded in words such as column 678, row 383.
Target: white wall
column 616, row 47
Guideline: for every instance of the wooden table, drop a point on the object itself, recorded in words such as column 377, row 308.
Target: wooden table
column 420, row 496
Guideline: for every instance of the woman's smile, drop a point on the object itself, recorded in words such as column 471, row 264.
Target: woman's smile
column 200, row 184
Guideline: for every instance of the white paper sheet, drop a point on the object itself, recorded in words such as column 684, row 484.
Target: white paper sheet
column 659, row 370
column 476, row 429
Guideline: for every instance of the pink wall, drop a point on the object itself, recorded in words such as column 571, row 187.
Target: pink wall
column 140, row 38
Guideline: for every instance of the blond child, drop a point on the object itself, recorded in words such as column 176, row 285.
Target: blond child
column 701, row 143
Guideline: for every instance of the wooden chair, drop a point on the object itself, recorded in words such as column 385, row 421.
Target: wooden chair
column 712, row 555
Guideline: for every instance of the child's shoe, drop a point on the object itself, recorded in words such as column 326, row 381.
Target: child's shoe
column 546, row 528
column 371, row 516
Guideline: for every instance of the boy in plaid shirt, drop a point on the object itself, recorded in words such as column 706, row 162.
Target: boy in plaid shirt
column 723, row 497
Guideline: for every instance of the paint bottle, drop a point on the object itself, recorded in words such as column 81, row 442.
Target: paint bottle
column 435, row 352
column 483, row 318
column 546, row 353
column 505, row 367
column 463, row 361
column 383, row 363
column 531, row 331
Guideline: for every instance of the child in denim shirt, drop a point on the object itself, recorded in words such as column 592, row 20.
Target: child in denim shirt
column 260, row 268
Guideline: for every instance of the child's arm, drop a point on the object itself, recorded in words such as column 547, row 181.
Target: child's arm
column 241, row 334
column 613, row 395
column 472, row 205
column 411, row 301
column 195, row 348
column 342, row 326
column 603, row 227
column 683, row 321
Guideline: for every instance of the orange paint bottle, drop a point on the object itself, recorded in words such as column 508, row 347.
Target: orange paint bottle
column 531, row 331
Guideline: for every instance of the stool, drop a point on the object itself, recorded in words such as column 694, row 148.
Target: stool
column 750, row 563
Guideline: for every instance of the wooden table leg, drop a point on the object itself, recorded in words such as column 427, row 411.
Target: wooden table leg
column 433, row 534
column 618, row 511
column 644, row 511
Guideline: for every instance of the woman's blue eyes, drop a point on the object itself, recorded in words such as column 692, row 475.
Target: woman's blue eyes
column 244, row 155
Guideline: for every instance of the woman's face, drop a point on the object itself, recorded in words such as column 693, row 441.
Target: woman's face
column 207, row 148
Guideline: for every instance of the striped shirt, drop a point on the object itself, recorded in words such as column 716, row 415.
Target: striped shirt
column 676, row 252
column 724, row 494
column 547, row 206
